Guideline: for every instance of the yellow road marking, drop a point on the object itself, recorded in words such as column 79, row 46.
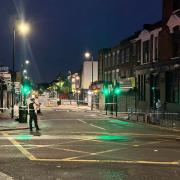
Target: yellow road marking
column 18, row 146
column 33, row 158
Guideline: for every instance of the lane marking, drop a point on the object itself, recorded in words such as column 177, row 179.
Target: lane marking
column 114, row 161
column 91, row 124
column 97, row 127
column 82, row 121
column 19, row 147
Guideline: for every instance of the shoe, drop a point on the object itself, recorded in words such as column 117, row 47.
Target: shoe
column 38, row 129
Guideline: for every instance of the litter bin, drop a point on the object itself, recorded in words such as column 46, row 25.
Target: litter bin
column 23, row 114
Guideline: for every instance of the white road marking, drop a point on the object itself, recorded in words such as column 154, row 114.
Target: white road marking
column 82, row 121
column 97, row 127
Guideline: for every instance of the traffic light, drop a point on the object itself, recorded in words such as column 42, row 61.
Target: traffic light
column 26, row 87
column 117, row 89
column 105, row 90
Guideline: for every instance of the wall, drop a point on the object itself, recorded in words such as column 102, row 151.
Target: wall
column 87, row 73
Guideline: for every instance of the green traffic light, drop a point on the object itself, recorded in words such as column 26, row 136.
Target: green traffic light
column 26, row 89
column 117, row 91
column 106, row 91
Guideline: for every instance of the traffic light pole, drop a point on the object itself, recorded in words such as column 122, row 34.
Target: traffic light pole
column 106, row 104
column 13, row 75
column 116, row 105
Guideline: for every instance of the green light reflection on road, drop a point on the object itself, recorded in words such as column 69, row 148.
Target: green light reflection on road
column 113, row 138
column 122, row 123
column 23, row 137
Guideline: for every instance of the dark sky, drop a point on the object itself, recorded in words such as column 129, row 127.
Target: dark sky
column 63, row 29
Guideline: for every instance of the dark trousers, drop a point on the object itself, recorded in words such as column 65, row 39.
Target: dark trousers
column 33, row 117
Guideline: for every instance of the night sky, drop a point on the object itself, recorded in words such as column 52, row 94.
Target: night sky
column 62, row 30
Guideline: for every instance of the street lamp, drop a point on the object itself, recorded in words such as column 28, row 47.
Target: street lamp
column 25, row 71
column 22, row 28
column 27, row 62
column 88, row 56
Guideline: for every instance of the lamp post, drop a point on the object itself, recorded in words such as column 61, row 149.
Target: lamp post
column 23, row 28
column 88, row 56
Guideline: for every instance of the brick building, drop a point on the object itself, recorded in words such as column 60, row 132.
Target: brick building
column 158, row 71
column 149, row 60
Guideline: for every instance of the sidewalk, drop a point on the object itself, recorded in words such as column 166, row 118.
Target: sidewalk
column 8, row 124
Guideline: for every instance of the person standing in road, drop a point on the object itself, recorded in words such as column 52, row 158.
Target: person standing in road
column 159, row 109
column 33, row 115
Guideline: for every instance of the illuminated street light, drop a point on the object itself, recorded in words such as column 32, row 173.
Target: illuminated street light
column 25, row 71
column 27, row 62
column 87, row 55
column 23, row 28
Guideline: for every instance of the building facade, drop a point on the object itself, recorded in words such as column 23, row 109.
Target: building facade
column 116, row 65
column 147, row 64
column 158, row 71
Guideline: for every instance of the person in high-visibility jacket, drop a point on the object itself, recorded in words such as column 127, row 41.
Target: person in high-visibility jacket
column 33, row 115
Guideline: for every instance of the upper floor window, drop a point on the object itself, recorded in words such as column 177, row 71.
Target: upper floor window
column 109, row 60
column 134, row 49
column 127, row 55
column 156, row 48
column 117, row 57
column 146, row 51
column 113, row 59
column 122, row 56
column 105, row 61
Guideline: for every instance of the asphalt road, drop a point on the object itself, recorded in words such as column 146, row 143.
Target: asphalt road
column 85, row 145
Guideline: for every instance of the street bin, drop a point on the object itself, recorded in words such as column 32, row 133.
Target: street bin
column 23, row 114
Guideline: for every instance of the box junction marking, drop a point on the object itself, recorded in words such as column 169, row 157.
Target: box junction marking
column 31, row 157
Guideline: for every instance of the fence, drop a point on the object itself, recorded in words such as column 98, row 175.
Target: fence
column 169, row 120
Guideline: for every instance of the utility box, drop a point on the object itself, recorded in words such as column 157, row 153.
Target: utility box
column 23, row 112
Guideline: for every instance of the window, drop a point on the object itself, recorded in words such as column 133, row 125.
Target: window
column 113, row 59
column 105, row 60
column 117, row 74
column 156, row 49
column 122, row 56
column 134, row 49
column 105, row 76
column 109, row 60
column 138, row 51
column 127, row 55
column 117, row 57
column 173, row 87
column 146, row 51
column 113, row 75
column 142, row 87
